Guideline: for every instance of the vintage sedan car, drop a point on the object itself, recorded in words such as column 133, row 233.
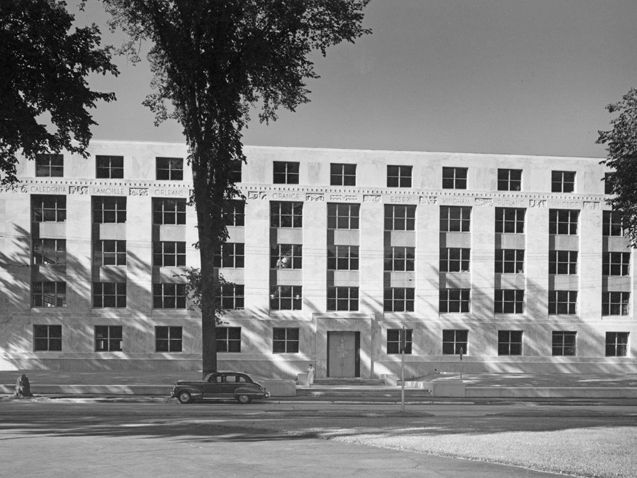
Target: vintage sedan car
column 219, row 385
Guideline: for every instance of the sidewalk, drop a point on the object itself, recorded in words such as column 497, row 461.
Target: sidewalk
column 477, row 386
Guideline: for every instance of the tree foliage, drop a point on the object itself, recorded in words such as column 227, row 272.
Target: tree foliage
column 211, row 61
column 621, row 144
column 43, row 66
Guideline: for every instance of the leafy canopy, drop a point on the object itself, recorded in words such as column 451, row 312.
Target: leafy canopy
column 43, row 66
column 621, row 143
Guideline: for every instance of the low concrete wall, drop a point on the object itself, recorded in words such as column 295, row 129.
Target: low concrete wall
column 448, row 388
column 280, row 388
column 551, row 392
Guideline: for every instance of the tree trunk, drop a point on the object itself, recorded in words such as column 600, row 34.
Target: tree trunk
column 208, row 244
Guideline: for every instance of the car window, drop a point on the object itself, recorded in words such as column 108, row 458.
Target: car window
column 215, row 379
column 231, row 379
column 241, row 378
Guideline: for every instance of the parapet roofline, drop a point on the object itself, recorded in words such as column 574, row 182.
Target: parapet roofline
column 367, row 151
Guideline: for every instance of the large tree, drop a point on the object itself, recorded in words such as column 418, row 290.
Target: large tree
column 621, row 143
column 44, row 95
column 212, row 61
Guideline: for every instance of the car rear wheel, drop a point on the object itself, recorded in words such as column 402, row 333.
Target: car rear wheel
column 184, row 397
column 243, row 399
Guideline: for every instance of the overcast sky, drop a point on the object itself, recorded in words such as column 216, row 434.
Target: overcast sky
column 484, row 76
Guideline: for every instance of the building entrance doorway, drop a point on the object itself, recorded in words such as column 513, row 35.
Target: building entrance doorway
column 343, row 354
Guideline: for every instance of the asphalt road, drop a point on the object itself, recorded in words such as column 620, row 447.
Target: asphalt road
column 78, row 438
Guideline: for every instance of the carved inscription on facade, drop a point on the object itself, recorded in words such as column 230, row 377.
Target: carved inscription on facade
column 484, row 201
column 138, row 191
column 314, row 197
column 343, row 197
column 371, row 197
column 592, row 205
column 428, row 200
column 78, row 190
column 256, row 195
column 537, row 202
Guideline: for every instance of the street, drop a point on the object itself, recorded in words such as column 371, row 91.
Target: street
column 81, row 437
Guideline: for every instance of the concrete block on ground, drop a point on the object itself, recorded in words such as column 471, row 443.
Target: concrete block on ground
column 301, row 379
column 448, row 388
column 280, row 388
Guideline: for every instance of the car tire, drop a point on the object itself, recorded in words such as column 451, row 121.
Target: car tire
column 184, row 397
column 243, row 399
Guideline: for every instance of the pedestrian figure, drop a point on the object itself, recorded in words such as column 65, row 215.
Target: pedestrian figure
column 23, row 387
column 310, row 375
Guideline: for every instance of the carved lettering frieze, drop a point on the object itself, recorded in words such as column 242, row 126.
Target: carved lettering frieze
column 371, row 197
column 565, row 203
column 428, row 200
column 343, row 197
column 314, row 197
column 287, row 195
column 537, row 202
column 178, row 192
column 257, row 195
column 592, row 205
column 402, row 199
column 457, row 200
column 82, row 190
column 484, row 201
column 138, row 191
column 510, row 202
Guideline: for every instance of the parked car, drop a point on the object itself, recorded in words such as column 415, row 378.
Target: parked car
column 219, row 385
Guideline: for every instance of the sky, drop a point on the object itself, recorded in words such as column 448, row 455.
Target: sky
column 481, row 76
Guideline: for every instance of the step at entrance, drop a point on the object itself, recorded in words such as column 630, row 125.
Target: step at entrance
column 349, row 381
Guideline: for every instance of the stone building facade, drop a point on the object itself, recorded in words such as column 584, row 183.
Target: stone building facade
column 487, row 262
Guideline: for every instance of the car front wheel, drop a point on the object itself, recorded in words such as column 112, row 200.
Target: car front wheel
column 243, row 399
column 184, row 397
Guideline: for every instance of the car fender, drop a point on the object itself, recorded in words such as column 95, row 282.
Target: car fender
column 247, row 391
column 194, row 391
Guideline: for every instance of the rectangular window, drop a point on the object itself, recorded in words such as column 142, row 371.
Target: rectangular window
column 616, row 264
column 286, row 297
column 48, row 294
column 234, row 213
column 399, row 299
column 562, row 181
column 509, row 220
column 169, row 296
column 234, row 172
column 109, row 294
column 286, row 256
column 616, row 344
column 286, row 214
column 562, row 302
column 455, row 342
column 509, row 301
column 47, row 338
column 168, row 339
column 343, row 258
column 399, row 258
column 399, row 176
column 108, row 338
column 170, row 169
column 393, row 340
column 49, row 251
column 231, row 296
column 612, row 224
column 564, row 343
column 342, row 216
column 455, row 218
column 509, row 179
column 342, row 298
column 109, row 209
column 229, row 339
column 509, row 261
column 563, row 262
column 454, row 300
column 231, row 254
column 49, row 165
column 285, row 172
column 563, row 221
column 48, row 208
column 615, row 303
column 109, row 167
column 399, row 217
column 608, row 183
column 109, row 253
column 454, row 259
column 342, row 174
column 454, row 178
column 285, row 340
column 170, row 254
column 509, row 342
column 169, row 211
